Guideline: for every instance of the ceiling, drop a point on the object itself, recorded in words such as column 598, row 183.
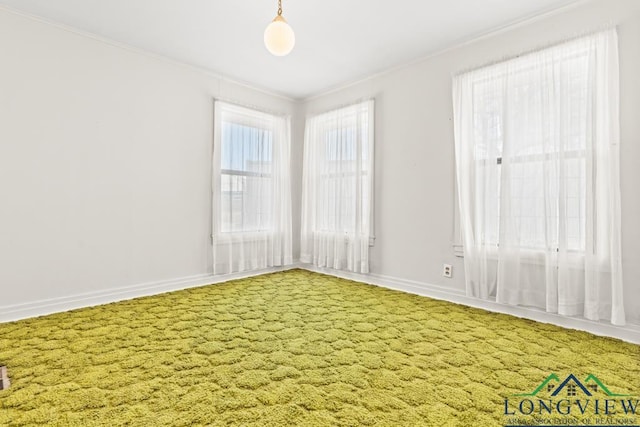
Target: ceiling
column 337, row 41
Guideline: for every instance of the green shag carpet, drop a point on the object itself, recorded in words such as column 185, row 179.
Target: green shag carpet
column 292, row 348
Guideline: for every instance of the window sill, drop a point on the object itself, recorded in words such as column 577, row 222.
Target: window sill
column 458, row 250
column 527, row 256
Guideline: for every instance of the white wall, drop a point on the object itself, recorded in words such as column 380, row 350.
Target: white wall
column 414, row 203
column 105, row 162
column 105, row 157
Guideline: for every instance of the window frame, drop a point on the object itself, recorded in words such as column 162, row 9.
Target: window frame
column 457, row 245
column 246, row 117
column 325, row 127
column 327, row 177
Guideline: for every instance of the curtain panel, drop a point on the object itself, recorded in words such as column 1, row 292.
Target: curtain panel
column 537, row 162
column 251, row 190
column 337, row 189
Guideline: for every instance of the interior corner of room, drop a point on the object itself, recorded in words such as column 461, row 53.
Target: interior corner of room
column 106, row 164
column 274, row 212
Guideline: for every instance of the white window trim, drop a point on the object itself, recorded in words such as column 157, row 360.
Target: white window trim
column 242, row 119
column 348, row 235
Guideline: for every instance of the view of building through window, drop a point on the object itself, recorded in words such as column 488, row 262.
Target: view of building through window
column 246, row 173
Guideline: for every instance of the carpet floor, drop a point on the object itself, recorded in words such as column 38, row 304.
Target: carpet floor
column 290, row 348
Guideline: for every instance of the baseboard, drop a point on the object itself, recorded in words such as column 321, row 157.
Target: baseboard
column 55, row 305
column 629, row 333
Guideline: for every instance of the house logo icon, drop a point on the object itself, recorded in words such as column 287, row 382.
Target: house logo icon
column 584, row 402
column 571, row 387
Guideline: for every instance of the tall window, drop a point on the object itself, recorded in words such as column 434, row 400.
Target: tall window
column 251, row 188
column 338, row 187
column 537, row 162
column 546, row 182
column 246, row 177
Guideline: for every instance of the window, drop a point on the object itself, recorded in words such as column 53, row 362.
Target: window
column 251, row 189
column 546, row 180
column 346, row 176
column 246, row 178
column 337, row 224
column 537, row 169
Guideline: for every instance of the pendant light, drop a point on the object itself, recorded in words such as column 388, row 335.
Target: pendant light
column 279, row 37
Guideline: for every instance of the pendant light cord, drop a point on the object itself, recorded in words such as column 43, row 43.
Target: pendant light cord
column 279, row 7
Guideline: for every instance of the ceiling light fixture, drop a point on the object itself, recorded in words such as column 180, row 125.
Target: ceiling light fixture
column 279, row 37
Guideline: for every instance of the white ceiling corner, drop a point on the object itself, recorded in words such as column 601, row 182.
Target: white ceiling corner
column 337, row 41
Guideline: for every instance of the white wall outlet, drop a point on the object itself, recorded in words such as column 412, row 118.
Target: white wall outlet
column 4, row 378
column 447, row 270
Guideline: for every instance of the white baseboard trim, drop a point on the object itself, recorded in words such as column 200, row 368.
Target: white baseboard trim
column 56, row 305
column 629, row 333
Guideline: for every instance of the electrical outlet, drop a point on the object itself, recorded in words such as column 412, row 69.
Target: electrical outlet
column 447, row 270
column 4, row 378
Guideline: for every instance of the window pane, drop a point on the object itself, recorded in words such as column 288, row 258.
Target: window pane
column 344, row 184
column 246, row 178
column 543, row 191
column 246, row 148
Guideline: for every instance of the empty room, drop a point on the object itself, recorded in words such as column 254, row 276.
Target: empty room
column 320, row 213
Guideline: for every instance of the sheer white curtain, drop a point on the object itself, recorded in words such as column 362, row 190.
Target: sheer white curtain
column 251, row 190
column 537, row 160
column 337, row 189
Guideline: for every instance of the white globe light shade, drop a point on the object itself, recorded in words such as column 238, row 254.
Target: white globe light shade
column 279, row 37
